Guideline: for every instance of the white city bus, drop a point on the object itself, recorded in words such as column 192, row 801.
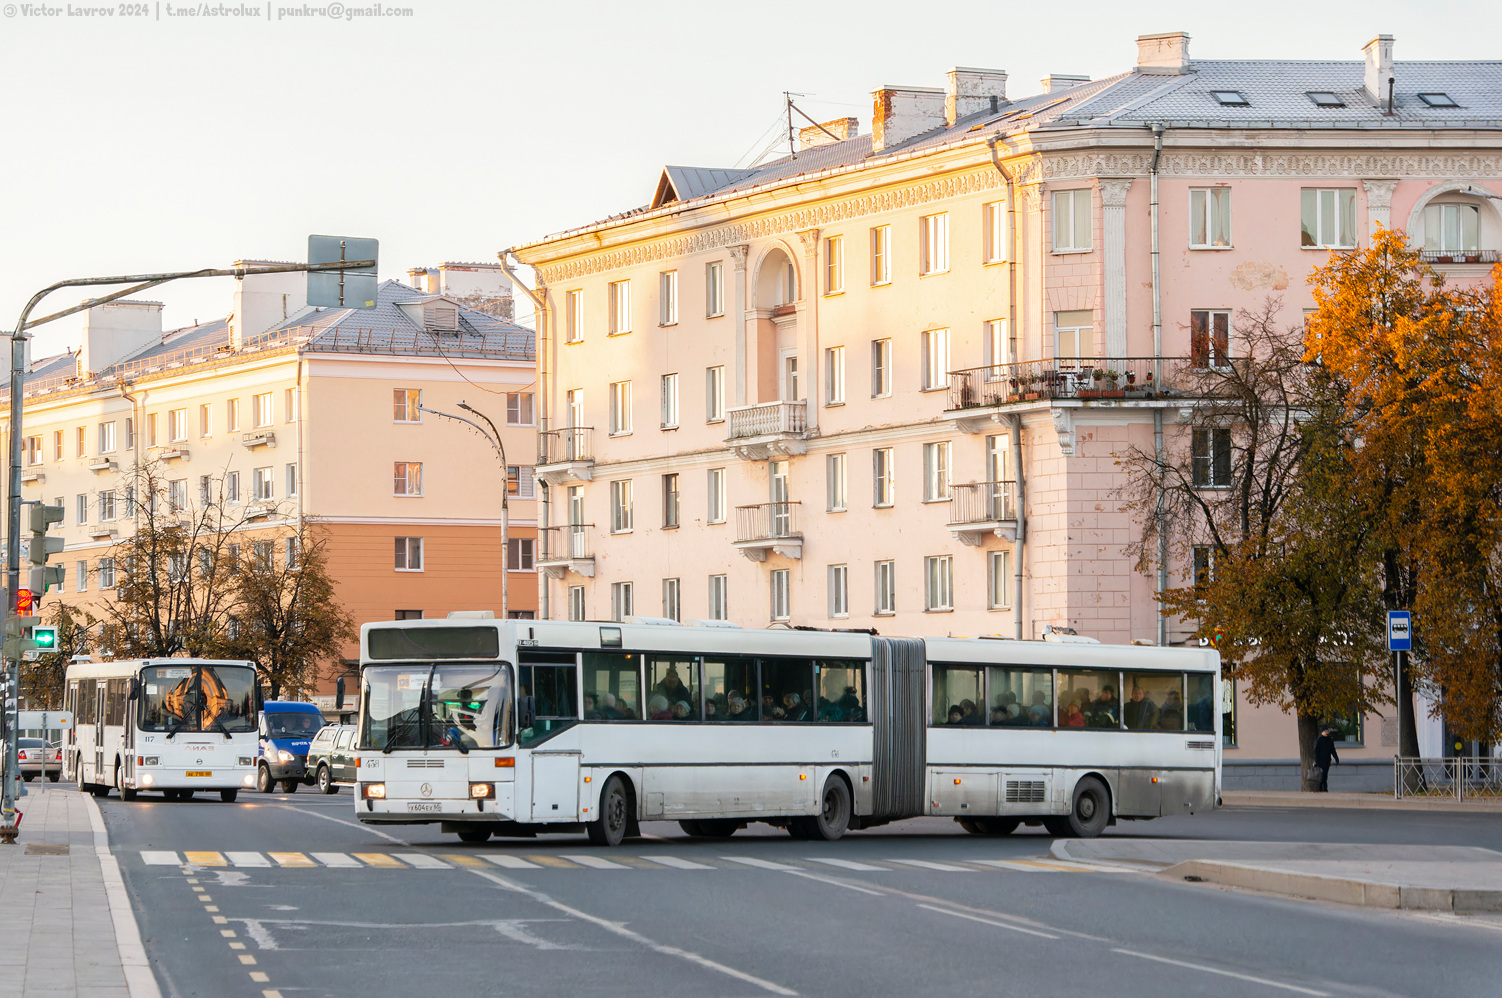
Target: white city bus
column 174, row 725
column 517, row 727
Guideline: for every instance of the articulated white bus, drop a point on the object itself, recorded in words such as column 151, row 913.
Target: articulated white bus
column 174, row 725
column 496, row 727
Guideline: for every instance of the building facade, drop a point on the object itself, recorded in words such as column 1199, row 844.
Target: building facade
column 287, row 414
column 888, row 382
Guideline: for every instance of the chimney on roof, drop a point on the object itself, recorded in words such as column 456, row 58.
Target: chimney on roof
column 423, row 279
column 265, row 301
column 1378, row 67
column 481, row 286
column 1055, row 82
column 115, row 331
column 1166, row 54
column 899, row 113
column 817, row 135
column 972, row 90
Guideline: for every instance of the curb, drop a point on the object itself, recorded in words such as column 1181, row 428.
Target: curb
column 139, row 978
column 1343, row 890
column 1290, row 798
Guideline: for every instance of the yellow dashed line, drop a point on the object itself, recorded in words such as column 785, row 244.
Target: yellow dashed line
column 258, row 977
column 554, row 861
column 291, row 859
column 247, row 959
column 206, row 859
column 381, row 860
column 469, row 861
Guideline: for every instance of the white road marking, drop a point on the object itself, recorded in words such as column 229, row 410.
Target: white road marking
column 924, row 864
column 516, row 931
column 421, row 861
column 160, row 859
column 512, row 862
column 844, row 864
column 348, row 824
column 596, row 862
column 337, row 860
column 247, row 859
column 676, row 863
column 761, row 864
column 989, row 921
column 1223, row 973
column 834, row 883
column 135, row 966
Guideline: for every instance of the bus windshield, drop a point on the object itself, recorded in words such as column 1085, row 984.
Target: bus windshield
column 196, row 698
column 442, row 705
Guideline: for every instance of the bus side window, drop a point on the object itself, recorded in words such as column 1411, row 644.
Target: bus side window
column 1200, row 709
column 787, row 686
column 959, row 695
column 612, row 681
column 672, row 688
column 842, row 691
column 730, row 690
column 1021, row 697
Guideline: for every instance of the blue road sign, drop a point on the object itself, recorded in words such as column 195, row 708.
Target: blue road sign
column 1399, row 630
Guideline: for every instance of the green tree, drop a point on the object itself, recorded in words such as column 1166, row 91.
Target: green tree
column 43, row 681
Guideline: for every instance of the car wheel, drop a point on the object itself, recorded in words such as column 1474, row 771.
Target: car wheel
column 475, row 835
column 327, row 785
column 833, row 819
column 228, row 796
column 609, row 827
column 289, row 786
column 54, row 777
column 264, row 783
column 28, row 777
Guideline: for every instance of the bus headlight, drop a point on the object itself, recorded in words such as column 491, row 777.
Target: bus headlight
column 150, row 760
column 246, row 760
column 373, row 791
column 146, row 779
column 248, row 780
column 481, row 791
column 283, row 755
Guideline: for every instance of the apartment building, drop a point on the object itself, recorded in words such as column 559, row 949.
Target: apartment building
column 886, row 382
column 291, row 412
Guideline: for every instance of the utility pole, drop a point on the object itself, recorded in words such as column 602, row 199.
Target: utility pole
column 492, row 437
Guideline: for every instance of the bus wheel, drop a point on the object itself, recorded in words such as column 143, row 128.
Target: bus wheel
column 610, row 827
column 289, row 786
column 970, row 825
column 718, row 828
column 474, row 834
column 185, row 795
column 127, row 793
column 264, row 783
column 998, row 826
column 1092, row 809
column 691, row 828
column 228, row 796
column 99, row 790
column 833, row 818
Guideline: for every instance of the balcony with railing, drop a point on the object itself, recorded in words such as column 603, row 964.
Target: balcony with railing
column 980, row 508
column 565, row 456
column 565, row 549
column 1081, row 379
column 770, row 526
column 771, row 429
column 1444, row 256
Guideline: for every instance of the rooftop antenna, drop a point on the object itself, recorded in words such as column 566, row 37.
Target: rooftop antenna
column 791, row 107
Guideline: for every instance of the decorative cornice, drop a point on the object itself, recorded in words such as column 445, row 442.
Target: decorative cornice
column 1212, row 163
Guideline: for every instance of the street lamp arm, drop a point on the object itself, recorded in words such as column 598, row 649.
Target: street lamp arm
column 494, row 443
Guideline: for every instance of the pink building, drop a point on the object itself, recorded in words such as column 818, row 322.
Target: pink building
column 802, row 393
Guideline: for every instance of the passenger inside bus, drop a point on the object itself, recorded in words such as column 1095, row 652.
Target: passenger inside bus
column 1140, row 711
column 956, row 717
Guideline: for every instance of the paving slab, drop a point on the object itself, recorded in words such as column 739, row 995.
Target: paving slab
column 1289, row 798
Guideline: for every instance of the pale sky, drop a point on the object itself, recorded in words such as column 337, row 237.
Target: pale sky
column 170, row 143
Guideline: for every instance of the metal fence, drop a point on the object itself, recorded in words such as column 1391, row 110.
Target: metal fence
column 983, row 502
column 1453, row 776
column 767, row 521
column 566, row 543
column 572, row 443
column 1081, row 378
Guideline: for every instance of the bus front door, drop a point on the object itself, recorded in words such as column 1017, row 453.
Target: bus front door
column 555, row 786
column 99, row 708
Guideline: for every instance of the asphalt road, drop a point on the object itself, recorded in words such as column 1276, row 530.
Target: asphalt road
column 914, row 907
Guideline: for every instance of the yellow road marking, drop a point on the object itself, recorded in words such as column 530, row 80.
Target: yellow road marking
column 469, row 861
column 381, row 860
column 206, row 859
column 554, row 861
column 291, row 859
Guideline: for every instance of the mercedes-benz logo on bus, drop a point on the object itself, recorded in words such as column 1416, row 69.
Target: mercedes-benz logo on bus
column 198, row 762
column 426, row 789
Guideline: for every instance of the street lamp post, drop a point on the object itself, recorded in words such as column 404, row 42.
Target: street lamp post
column 492, row 437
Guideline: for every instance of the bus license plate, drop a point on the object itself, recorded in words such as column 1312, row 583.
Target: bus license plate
column 417, row 805
column 199, row 772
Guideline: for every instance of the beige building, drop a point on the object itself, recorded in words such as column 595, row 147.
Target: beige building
column 888, row 382
column 294, row 413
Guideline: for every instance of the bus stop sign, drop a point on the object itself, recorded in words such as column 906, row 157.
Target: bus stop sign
column 1399, row 630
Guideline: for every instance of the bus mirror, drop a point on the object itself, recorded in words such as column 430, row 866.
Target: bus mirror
column 524, row 712
column 135, row 689
column 339, row 694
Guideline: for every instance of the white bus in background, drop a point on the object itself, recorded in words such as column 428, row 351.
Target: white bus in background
column 173, row 725
column 495, row 727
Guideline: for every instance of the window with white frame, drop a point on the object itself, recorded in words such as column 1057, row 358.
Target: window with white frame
column 409, row 554
column 81, row 575
column 79, row 450
column 293, row 553
column 291, row 479
column 881, row 368
column 177, row 427
column 519, row 409
column 620, row 408
column 619, row 302
column 106, row 506
column 177, row 493
column 669, row 401
column 261, row 409
column 521, row 481
column 231, row 416
column 994, row 232
column 999, row 580
column 622, row 514
column 106, row 573
column 839, row 590
column 291, row 405
column 667, row 298
column 205, row 489
column 107, row 438
column 834, row 471
column 151, row 440
column 263, row 552
column 1210, row 337
column 997, row 348
column 935, row 359
column 57, row 445
column 1209, row 218
column 716, row 495
column 714, row 394
column 1074, row 335
column 670, row 501
column 672, row 607
column 622, row 603
column 406, row 479
column 576, row 603
column 714, row 289
column 936, row 457
column 881, row 255
column 782, row 595
column 886, row 588
column 1071, row 221
column 788, row 283
column 1210, row 458
column 1327, row 218
column 834, row 265
column 81, row 509
column 231, row 486
column 719, row 597
column 834, row 376
column 938, row 583
column 205, row 420
column 265, row 486
column 881, row 477
column 1452, row 228
column 521, row 554
column 933, row 243
column 573, row 317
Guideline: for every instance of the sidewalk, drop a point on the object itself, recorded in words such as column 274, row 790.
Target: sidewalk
column 1463, row 879
column 65, row 921
column 1289, row 798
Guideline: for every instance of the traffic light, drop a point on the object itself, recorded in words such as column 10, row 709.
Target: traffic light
column 43, row 547
column 17, row 643
column 45, row 638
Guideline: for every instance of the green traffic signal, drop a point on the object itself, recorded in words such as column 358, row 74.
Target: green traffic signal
column 45, row 638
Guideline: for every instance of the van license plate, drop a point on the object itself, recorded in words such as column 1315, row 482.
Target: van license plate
column 417, row 805
column 201, row 772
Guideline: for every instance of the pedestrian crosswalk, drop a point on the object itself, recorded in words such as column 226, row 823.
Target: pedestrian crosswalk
column 413, row 860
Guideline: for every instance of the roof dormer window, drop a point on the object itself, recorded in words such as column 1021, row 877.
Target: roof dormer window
column 439, row 316
column 1438, row 100
column 1325, row 98
column 1230, row 98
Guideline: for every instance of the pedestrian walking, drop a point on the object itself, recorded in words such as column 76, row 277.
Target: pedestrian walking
column 1324, row 755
